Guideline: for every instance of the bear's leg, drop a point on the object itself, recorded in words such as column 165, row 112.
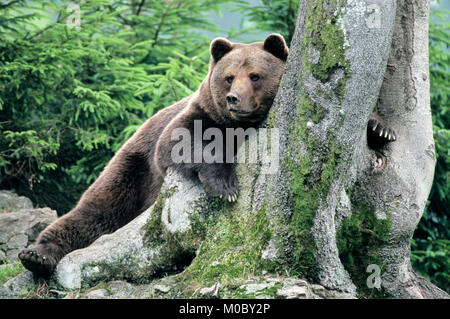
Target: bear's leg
column 77, row 229
column 220, row 180
column 112, row 202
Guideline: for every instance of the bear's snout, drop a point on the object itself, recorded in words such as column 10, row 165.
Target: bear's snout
column 233, row 99
column 236, row 105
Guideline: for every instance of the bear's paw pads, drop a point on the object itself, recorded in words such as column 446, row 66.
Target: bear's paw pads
column 36, row 262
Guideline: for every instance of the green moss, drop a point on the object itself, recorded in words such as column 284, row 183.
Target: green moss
column 325, row 35
column 154, row 229
column 308, row 187
column 271, row 118
column 153, row 233
column 359, row 239
column 236, row 291
column 306, row 193
column 271, row 291
column 313, row 171
column 232, row 249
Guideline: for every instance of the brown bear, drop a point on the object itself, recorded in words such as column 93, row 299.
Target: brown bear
column 237, row 92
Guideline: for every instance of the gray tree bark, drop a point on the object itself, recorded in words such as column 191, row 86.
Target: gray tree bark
column 402, row 189
column 334, row 212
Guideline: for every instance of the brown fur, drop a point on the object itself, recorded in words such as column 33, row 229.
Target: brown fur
column 131, row 181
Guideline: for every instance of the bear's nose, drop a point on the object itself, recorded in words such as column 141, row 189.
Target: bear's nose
column 233, row 99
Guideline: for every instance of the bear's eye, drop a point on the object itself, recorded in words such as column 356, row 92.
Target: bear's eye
column 254, row 77
column 229, row 79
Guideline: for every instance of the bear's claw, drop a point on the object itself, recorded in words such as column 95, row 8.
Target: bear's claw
column 381, row 131
column 222, row 184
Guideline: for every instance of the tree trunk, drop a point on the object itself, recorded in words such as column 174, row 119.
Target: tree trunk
column 328, row 209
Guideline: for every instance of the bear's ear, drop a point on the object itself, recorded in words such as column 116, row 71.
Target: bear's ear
column 220, row 47
column 276, row 45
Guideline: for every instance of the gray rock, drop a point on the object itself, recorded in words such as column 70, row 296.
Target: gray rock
column 97, row 294
column 12, row 254
column 20, row 283
column 113, row 290
column 270, row 252
column 257, row 288
column 17, row 241
column 6, row 293
column 108, row 258
column 126, row 253
column 161, row 288
column 294, row 292
column 318, row 290
column 125, row 290
column 10, row 201
column 21, row 229
column 295, row 282
column 210, row 292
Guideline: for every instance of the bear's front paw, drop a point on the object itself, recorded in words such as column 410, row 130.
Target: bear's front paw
column 378, row 130
column 224, row 186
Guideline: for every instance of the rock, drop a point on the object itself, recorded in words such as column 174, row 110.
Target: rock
column 318, row 290
column 96, row 294
column 5, row 293
column 122, row 289
column 161, row 288
column 21, row 229
column 294, row 282
column 109, row 257
column 293, row 292
column 257, row 288
column 270, row 287
column 210, row 292
column 128, row 253
column 18, row 241
column 113, row 290
column 11, row 202
column 270, row 252
column 19, row 284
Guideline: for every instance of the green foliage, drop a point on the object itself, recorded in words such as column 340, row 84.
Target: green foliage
column 10, row 271
column 431, row 259
column 430, row 246
column 70, row 96
column 272, row 15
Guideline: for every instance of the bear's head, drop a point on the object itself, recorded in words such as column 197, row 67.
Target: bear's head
column 244, row 78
